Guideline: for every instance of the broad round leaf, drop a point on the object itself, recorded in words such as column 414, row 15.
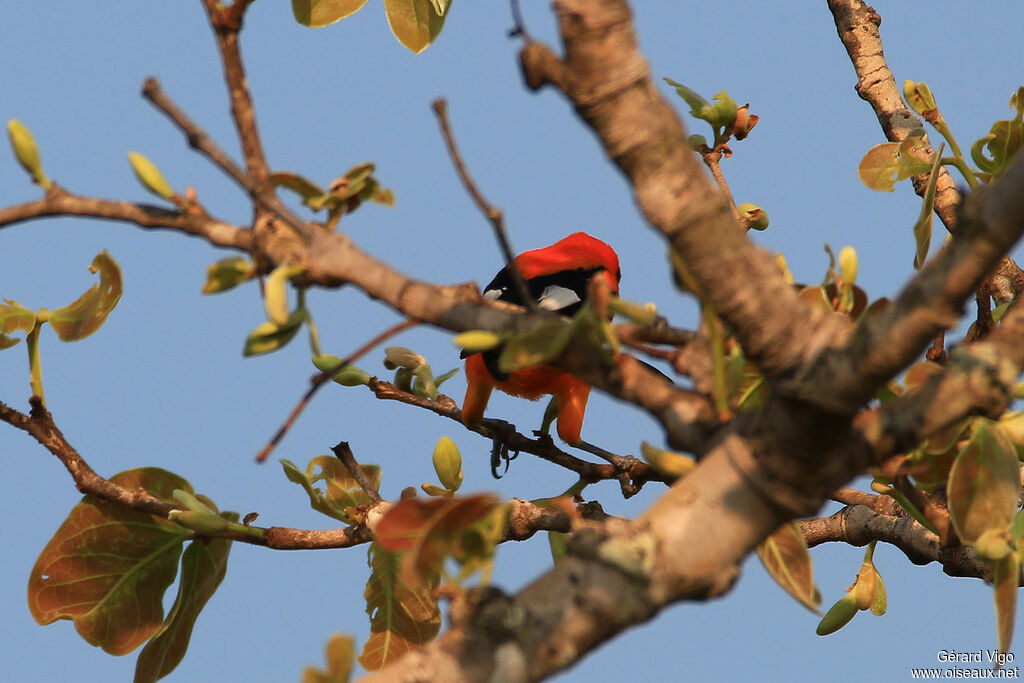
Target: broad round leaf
column 415, row 23
column 984, row 484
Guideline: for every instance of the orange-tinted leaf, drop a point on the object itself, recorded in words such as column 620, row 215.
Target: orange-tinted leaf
column 402, row 617
column 107, row 567
column 889, row 162
column 203, row 566
column 784, row 554
column 984, row 484
column 341, row 653
column 428, row 530
column 84, row 316
column 919, row 373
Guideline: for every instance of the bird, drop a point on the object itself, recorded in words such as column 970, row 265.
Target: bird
column 557, row 277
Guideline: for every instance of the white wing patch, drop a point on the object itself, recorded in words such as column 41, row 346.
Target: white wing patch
column 555, row 298
column 494, row 294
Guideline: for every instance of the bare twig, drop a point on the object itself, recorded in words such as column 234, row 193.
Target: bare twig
column 199, row 140
column 226, row 22
column 492, row 213
column 318, row 380
column 344, row 453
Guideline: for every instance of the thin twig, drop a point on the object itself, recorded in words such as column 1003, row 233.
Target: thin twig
column 344, row 453
column 200, row 141
column 518, row 25
column 492, row 213
column 226, row 22
column 318, row 380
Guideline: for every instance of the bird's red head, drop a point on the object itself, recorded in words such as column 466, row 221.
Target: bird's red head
column 578, row 251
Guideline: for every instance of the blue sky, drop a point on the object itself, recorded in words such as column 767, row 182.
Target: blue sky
column 163, row 382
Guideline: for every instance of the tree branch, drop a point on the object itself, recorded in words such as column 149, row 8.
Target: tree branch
column 194, row 221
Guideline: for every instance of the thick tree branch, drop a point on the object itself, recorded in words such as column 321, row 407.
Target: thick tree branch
column 608, row 81
column 858, row 525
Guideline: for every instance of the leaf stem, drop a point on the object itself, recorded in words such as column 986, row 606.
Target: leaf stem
column 34, row 363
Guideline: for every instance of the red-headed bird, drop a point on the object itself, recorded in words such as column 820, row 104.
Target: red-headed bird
column 557, row 277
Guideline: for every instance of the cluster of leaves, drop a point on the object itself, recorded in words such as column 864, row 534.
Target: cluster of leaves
column 344, row 195
column 886, row 164
column 413, row 541
column 107, row 569
column 727, row 121
column 415, row 23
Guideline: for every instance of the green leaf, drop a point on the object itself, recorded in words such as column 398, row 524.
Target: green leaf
column 269, row 336
column 1003, row 142
column 415, row 23
column 26, row 151
column 784, row 554
column 984, row 484
column 14, row 317
column 319, row 13
column 838, row 616
column 348, row 376
column 923, row 226
column 699, row 107
column 535, row 347
column 107, row 567
column 724, row 110
column 203, row 566
column 445, row 376
column 559, row 543
column 889, row 162
column 402, row 616
column 227, row 274
column 448, row 464
column 435, row 490
column 84, row 316
column 150, row 176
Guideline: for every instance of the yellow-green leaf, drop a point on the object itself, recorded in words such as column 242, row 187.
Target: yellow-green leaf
column 537, row 346
column 203, row 566
column 340, row 490
column 475, row 341
column 923, row 225
column 150, row 176
column 784, row 554
column 838, row 616
column 269, row 337
column 448, row 464
column 667, row 462
column 984, row 484
column 348, row 376
column 227, row 274
column 319, row 13
column 1005, row 576
column 14, row 317
column 415, row 23
column 107, row 567
column 919, row 96
column 84, row 316
column 26, row 151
